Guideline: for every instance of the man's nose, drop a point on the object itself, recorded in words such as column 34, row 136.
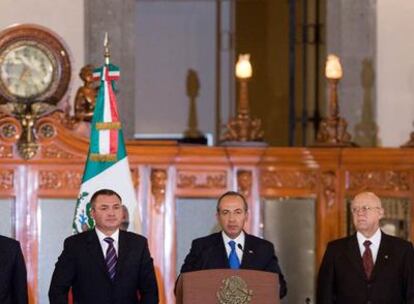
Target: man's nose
column 232, row 216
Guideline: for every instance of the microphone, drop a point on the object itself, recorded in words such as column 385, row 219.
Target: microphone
column 244, row 251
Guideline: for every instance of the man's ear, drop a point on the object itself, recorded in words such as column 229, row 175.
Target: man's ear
column 381, row 213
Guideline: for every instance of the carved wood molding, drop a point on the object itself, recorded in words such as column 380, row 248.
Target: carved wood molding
column 381, row 180
column 328, row 179
column 288, row 179
column 135, row 177
column 245, row 182
column 6, row 179
column 192, row 179
column 53, row 151
column 158, row 187
column 6, row 151
column 10, row 129
column 55, row 180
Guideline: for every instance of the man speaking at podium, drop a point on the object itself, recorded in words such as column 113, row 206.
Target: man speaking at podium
column 232, row 247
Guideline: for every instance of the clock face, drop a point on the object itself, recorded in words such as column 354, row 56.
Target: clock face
column 34, row 66
column 26, row 70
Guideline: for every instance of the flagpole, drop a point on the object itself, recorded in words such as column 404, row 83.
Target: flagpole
column 107, row 53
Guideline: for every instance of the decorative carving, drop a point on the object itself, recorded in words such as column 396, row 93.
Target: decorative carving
column 158, row 185
column 62, row 118
column 244, row 182
column 332, row 131
column 234, row 291
column 6, row 179
column 60, row 179
column 46, row 131
column 29, row 123
column 6, row 151
column 243, row 127
column 328, row 182
column 52, row 151
column 135, row 177
column 28, row 114
column 289, row 179
column 10, row 129
column 86, row 95
column 384, row 180
column 202, row 180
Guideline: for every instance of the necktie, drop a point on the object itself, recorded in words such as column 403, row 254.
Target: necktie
column 233, row 258
column 367, row 259
column 110, row 258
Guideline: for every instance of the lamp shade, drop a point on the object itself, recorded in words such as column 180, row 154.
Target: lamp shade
column 333, row 68
column 243, row 67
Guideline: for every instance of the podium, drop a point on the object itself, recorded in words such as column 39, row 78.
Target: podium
column 219, row 285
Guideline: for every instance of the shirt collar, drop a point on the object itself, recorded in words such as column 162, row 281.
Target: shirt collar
column 375, row 238
column 238, row 240
column 102, row 236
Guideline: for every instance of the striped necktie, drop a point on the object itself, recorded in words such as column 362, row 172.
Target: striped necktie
column 111, row 258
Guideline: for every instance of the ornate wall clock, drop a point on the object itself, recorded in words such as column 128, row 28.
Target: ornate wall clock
column 34, row 66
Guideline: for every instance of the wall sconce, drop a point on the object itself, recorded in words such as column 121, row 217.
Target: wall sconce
column 243, row 128
column 332, row 130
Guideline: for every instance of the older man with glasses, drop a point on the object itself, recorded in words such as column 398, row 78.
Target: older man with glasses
column 368, row 266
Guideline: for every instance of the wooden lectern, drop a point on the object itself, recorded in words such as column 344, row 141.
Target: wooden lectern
column 207, row 286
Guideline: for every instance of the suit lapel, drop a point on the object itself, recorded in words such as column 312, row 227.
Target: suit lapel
column 382, row 256
column 95, row 250
column 248, row 251
column 354, row 255
column 219, row 252
column 122, row 252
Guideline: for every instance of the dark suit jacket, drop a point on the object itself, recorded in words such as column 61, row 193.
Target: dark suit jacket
column 342, row 279
column 209, row 253
column 13, row 277
column 82, row 267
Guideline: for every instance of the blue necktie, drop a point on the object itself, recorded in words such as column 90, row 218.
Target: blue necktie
column 110, row 258
column 234, row 262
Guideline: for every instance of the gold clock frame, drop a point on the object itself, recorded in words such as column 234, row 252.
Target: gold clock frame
column 52, row 46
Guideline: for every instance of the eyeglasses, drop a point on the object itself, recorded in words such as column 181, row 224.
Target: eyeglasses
column 364, row 209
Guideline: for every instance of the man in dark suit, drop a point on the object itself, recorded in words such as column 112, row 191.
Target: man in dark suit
column 233, row 248
column 13, row 276
column 105, row 265
column 369, row 266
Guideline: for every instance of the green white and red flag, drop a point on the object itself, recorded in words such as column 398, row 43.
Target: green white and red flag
column 107, row 162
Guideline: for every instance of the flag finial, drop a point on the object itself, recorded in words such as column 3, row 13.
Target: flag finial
column 107, row 54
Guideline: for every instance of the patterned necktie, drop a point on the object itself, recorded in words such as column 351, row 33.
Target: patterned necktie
column 367, row 259
column 233, row 258
column 110, row 258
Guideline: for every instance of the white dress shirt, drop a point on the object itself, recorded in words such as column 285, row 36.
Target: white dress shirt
column 104, row 245
column 375, row 240
column 238, row 240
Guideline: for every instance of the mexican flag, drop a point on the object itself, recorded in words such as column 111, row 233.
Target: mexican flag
column 107, row 163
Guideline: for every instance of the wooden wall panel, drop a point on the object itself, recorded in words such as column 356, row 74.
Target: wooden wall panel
column 164, row 171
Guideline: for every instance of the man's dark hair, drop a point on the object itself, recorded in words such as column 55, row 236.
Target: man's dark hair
column 107, row 192
column 232, row 193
